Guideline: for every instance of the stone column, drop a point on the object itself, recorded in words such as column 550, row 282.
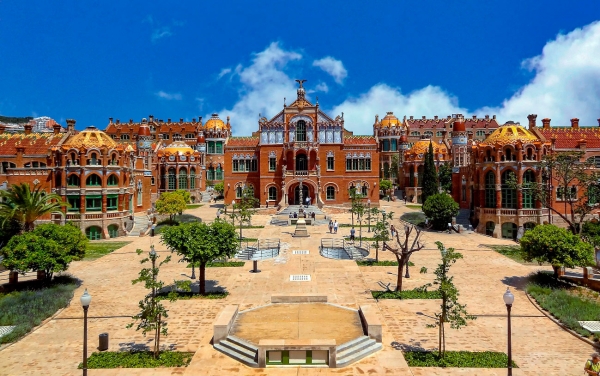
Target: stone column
column 519, row 189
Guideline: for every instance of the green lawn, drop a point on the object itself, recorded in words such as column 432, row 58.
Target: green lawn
column 513, row 252
column 184, row 218
column 226, row 264
column 415, row 207
column 418, row 293
column 193, row 206
column 96, row 250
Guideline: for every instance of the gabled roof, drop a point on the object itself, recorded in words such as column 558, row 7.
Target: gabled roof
column 33, row 143
column 570, row 138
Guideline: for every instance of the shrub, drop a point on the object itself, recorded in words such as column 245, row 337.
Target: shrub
column 138, row 359
column 467, row 359
column 440, row 208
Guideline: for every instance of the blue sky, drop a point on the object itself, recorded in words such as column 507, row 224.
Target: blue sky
column 128, row 59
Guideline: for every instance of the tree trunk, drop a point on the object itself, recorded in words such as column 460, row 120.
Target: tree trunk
column 556, row 268
column 440, row 337
column 399, row 279
column 202, row 279
column 377, row 254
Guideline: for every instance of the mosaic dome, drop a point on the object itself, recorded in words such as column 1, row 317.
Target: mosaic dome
column 510, row 133
column 178, row 147
column 91, row 137
column 390, row 120
column 214, row 122
column 422, row 146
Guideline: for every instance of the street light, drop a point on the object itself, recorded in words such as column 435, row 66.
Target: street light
column 369, row 204
column 85, row 300
column 509, row 298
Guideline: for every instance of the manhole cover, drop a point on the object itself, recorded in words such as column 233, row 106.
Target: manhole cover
column 303, row 252
column 299, row 277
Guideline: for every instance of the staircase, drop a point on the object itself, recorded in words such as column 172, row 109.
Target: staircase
column 205, row 196
column 246, row 253
column 355, row 350
column 279, row 222
column 240, row 350
column 463, row 218
column 354, row 253
column 140, row 223
column 295, row 208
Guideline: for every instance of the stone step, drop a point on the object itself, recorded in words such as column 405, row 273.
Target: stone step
column 238, row 349
column 250, row 362
column 243, row 343
column 351, row 344
column 354, row 357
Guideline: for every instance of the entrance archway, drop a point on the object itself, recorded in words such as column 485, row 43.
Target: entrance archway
column 295, row 198
column 509, row 230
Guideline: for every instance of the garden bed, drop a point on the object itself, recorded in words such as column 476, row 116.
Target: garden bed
column 186, row 295
column 226, row 264
column 380, row 263
column 138, row 359
column 418, row 293
column 462, row 359
column 415, row 218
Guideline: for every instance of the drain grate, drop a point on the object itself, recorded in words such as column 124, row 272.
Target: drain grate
column 299, row 277
column 303, row 252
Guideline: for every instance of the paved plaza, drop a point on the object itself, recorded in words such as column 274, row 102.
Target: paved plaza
column 540, row 347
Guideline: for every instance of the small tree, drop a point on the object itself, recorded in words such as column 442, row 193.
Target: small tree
column 381, row 231
column 244, row 208
column 440, row 208
column 385, row 186
column 405, row 249
column 452, row 312
column 357, row 205
column 152, row 312
column 200, row 244
column 429, row 183
column 170, row 203
column 185, row 195
column 445, row 177
column 219, row 188
column 556, row 246
column 50, row 248
column 395, row 167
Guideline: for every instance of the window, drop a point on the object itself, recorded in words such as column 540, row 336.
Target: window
column 238, row 191
column 509, row 194
column 490, row 190
column 439, row 134
column 595, row 161
column 330, row 163
column 272, row 194
column 528, row 179
column 358, row 164
column 364, row 190
column 509, row 155
column 93, row 233
column 35, row 164
column 385, row 145
column 93, row 161
column 75, row 202
column 330, row 193
column 152, row 180
column 272, row 164
column 171, row 179
column 165, row 136
column 176, row 137
column 93, row 203
column 394, row 145
column 301, row 130
column 563, row 194
column 428, row 134
column 192, row 179
column 189, row 136
column 93, row 180
column 235, row 165
column 210, row 173
column 112, row 180
column 124, row 137
column 301, row 162
column 6, row 165
column 73, row 181
column 415, row 133
column 218, row 173
column 183, row 183
column 480, row 133
column 210, row 147
column 219, row 147
column 112, row 202
column 139, row 193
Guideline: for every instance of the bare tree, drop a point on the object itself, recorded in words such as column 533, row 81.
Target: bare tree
column 405, row 249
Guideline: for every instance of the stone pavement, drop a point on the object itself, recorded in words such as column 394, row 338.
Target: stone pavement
column 539, row 345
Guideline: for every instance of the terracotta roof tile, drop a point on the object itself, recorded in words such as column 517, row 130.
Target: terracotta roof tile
column 242, row 141
column 568, row 138
column 34, row 143
column 359, row 140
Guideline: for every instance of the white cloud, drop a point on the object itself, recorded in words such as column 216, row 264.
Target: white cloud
column 161, row 32
column 322, row 86
column 168, row 96
column 264, row 84
column 333, row 67
column 566, row 82
column 223, row 72
column 200, row 103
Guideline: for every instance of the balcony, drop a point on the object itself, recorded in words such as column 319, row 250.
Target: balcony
column 90, row 216
column 514, row 212
column 300, row 173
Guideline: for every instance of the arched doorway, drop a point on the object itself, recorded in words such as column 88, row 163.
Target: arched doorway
column 489, row 228
column 305, row 193
column 509, row 230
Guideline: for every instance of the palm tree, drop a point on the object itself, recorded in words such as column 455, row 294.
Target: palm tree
column 25, row 205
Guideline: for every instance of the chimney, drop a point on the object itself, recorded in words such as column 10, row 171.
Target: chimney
column 423, row 117
column 181, row 120
column 56, row 128
column 169, row 121
column 532, row 119
column 28, row 128
column 474, row 117
column 599, row 122
column 575, row 123
column 2, row 128
column 70, row 125
column 411, row 118
column 435, row 117
column 494, row 117
column 110, row 120
column 582, row 145
column 546, row 123
column 193, row 120
column 487, row 117
column 151, row 117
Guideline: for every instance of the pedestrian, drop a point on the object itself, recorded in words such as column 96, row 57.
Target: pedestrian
column 352, row 232
column 404, row 199
column 218, row 213
column 393, row 231
column 307, row 201
column 335, row 227
column 330, row 226
column 592, row 366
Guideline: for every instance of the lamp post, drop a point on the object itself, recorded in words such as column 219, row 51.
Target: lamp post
column 509, row 298
column 369, row 204
column 85, row 300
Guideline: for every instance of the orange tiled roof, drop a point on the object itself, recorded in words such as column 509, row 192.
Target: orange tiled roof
column 569, row 138
column 242, row 141
column 34, row 143
column 359, row 140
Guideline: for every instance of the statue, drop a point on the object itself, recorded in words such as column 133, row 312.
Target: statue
column 318, row 170
column 283, row 169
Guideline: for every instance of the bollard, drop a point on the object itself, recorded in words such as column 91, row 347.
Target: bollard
column 103, row 342
column 254, row 266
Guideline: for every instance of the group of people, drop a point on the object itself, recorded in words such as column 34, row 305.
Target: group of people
column 333, row 226
column 295, row 215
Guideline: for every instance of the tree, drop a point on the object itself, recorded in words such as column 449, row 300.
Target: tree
column 200, row 243
column 440, row 208
column 152, row 312
column 576, row 181
column 170, row 203
column 357, row 205
column 445, row 177
column 590, row 233
column 429, row 182
column 395, row 167
column 405, row 250
column 385, row 186
column 49, row 247
column 452, row 311
column 185, row 195
column 244, row 208
column 381, row 230
column 219, row 188
column 26, row 205
column 556, row 246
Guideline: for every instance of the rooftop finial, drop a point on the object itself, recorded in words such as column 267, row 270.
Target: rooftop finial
column 300, row 90
column 301, row 82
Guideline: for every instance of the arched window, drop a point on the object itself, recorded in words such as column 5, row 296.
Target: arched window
column 113, row 231
column 272, row 194
column 219, row 173
column 124, row 137
column 93, row 233
column 113, row 160
column 386, row 170
column 509, row 194
column 93, row 161
column 428, row 134
column 530, row 156
column 330, row 192
column 93, row 180
column 171, row 179
column 301, row 162
column 238, row 191
column 488, row 156
column 489, row 228
column 490, row 190
column 364, row 190
column 193, row 178
column 528, row 179
column 301, row 130
column 183, row 182
column 73, row 181
column 250, row 191
column 112, row 180
column 73, row 159
column 35, row 164
column 386, row 145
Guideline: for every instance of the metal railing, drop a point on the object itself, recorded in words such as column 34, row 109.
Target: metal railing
column 260, row 250
column 342, row 249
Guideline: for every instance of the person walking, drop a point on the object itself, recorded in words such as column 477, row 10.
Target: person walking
column 218, row 213
column 330, row 226
column 393, row 231
column 352, row 232
column 335, row 227
column 592, row 366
